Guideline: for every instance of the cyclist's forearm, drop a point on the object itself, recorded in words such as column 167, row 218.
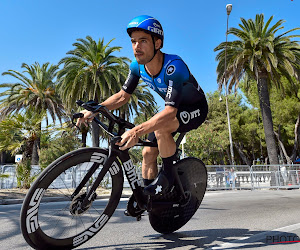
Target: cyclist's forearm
column 116, row 101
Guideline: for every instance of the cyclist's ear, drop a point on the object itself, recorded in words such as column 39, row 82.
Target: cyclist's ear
column 158, row 43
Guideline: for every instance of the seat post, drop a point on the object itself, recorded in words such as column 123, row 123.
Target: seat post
column 179, row 139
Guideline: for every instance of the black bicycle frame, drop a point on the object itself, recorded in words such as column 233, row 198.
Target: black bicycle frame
column 129, row 169
column 114, row 153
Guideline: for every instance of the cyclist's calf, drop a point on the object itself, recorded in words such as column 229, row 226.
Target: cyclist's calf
column 149, row 166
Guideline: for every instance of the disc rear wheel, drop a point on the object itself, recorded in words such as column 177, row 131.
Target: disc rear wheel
column 193, row 176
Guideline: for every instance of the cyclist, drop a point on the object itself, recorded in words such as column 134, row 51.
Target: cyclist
column 185, row 103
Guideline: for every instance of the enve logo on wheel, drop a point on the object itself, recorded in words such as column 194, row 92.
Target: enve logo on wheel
column 32, row 219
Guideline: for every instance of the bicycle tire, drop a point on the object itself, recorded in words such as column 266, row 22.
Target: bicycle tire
column 193, row 176
column 51, row 225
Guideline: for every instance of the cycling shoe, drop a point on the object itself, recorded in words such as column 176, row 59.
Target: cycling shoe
column 160, row 185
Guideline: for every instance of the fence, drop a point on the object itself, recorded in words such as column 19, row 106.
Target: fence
column 68, row 178
column 220, row 177
column 253, row 177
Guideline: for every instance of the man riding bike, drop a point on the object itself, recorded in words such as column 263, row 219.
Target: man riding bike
column 185, row 103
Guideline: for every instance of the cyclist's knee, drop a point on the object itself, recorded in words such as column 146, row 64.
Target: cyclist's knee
column 150, row 153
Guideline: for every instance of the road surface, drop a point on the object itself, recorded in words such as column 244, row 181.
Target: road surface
column 225, row 220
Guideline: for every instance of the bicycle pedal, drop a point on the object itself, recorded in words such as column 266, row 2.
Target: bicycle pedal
column 126, row 213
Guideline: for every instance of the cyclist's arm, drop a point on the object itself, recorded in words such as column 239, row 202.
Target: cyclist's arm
column 117, row 100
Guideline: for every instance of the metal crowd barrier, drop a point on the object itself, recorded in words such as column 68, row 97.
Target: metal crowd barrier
column 220, row 177
column 253, row 177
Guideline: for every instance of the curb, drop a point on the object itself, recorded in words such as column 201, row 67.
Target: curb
column 51, row 199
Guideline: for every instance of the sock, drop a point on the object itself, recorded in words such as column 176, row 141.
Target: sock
column 147, row 182
column 168, row 167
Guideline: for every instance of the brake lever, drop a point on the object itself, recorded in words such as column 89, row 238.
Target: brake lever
column 76, row 116
column 116, row 139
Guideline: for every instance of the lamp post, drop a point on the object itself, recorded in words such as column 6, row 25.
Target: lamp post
column 228, row 9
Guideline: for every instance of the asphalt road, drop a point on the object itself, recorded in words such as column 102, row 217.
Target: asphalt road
column 225, row 220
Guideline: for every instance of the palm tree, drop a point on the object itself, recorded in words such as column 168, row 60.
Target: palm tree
column 261, row 55
column 18, row 133
column 37, row 90
column 141, row 101
column 91, row 72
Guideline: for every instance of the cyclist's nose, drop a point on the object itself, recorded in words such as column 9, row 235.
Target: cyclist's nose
column 137, row 46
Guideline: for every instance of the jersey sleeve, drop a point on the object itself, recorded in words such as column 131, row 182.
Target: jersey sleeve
column 133, row 78
column 177, row 73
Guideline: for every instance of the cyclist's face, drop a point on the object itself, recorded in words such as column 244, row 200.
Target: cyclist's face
column 142, row 45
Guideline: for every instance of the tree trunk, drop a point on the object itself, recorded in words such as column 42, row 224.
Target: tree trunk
column 282, row 148
column 242, row 154
column 296, row 141
column 228, row 156
column 2, row 157
column 264, row 100
column 35, row 152
column 36, row 148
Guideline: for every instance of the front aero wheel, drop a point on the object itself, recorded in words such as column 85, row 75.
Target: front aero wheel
column 51, row 218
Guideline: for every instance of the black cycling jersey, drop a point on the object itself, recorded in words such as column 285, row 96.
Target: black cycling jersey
column 174, row 82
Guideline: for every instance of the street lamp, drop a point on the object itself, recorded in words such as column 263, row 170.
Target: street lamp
column 228, row 9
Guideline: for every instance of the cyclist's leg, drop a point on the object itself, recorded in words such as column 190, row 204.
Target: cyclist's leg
column 167, row 150
column 149, row 164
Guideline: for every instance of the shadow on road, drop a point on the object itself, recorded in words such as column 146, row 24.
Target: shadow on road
column 228, row 238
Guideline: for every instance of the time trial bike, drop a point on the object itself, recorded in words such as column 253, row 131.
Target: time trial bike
column 82, row 175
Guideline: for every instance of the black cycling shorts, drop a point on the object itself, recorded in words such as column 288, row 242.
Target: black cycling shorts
column 190, row 117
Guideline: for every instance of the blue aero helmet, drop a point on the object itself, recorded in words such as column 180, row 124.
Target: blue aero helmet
column 148, row 24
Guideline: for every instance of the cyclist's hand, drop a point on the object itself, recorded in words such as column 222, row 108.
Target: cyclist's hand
column 88, row 116
column 129, row 139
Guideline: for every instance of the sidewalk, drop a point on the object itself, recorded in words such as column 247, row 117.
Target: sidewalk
column 16, row 196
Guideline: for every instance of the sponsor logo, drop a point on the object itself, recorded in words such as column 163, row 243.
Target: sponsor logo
column 131, row 174
column 148, row 82
column 98, row 157
column 32, row 218
column 101, row 158
column 85, row 236
column 158, row 189
column 170, row 103
column 162, row 90
column 170, row 70
column 170, row 88
column 128, row 77
column 156, row 25
column 133, row 23
column 114, row 169
column 158, row 80
column 186, row 116
column 156, row 30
